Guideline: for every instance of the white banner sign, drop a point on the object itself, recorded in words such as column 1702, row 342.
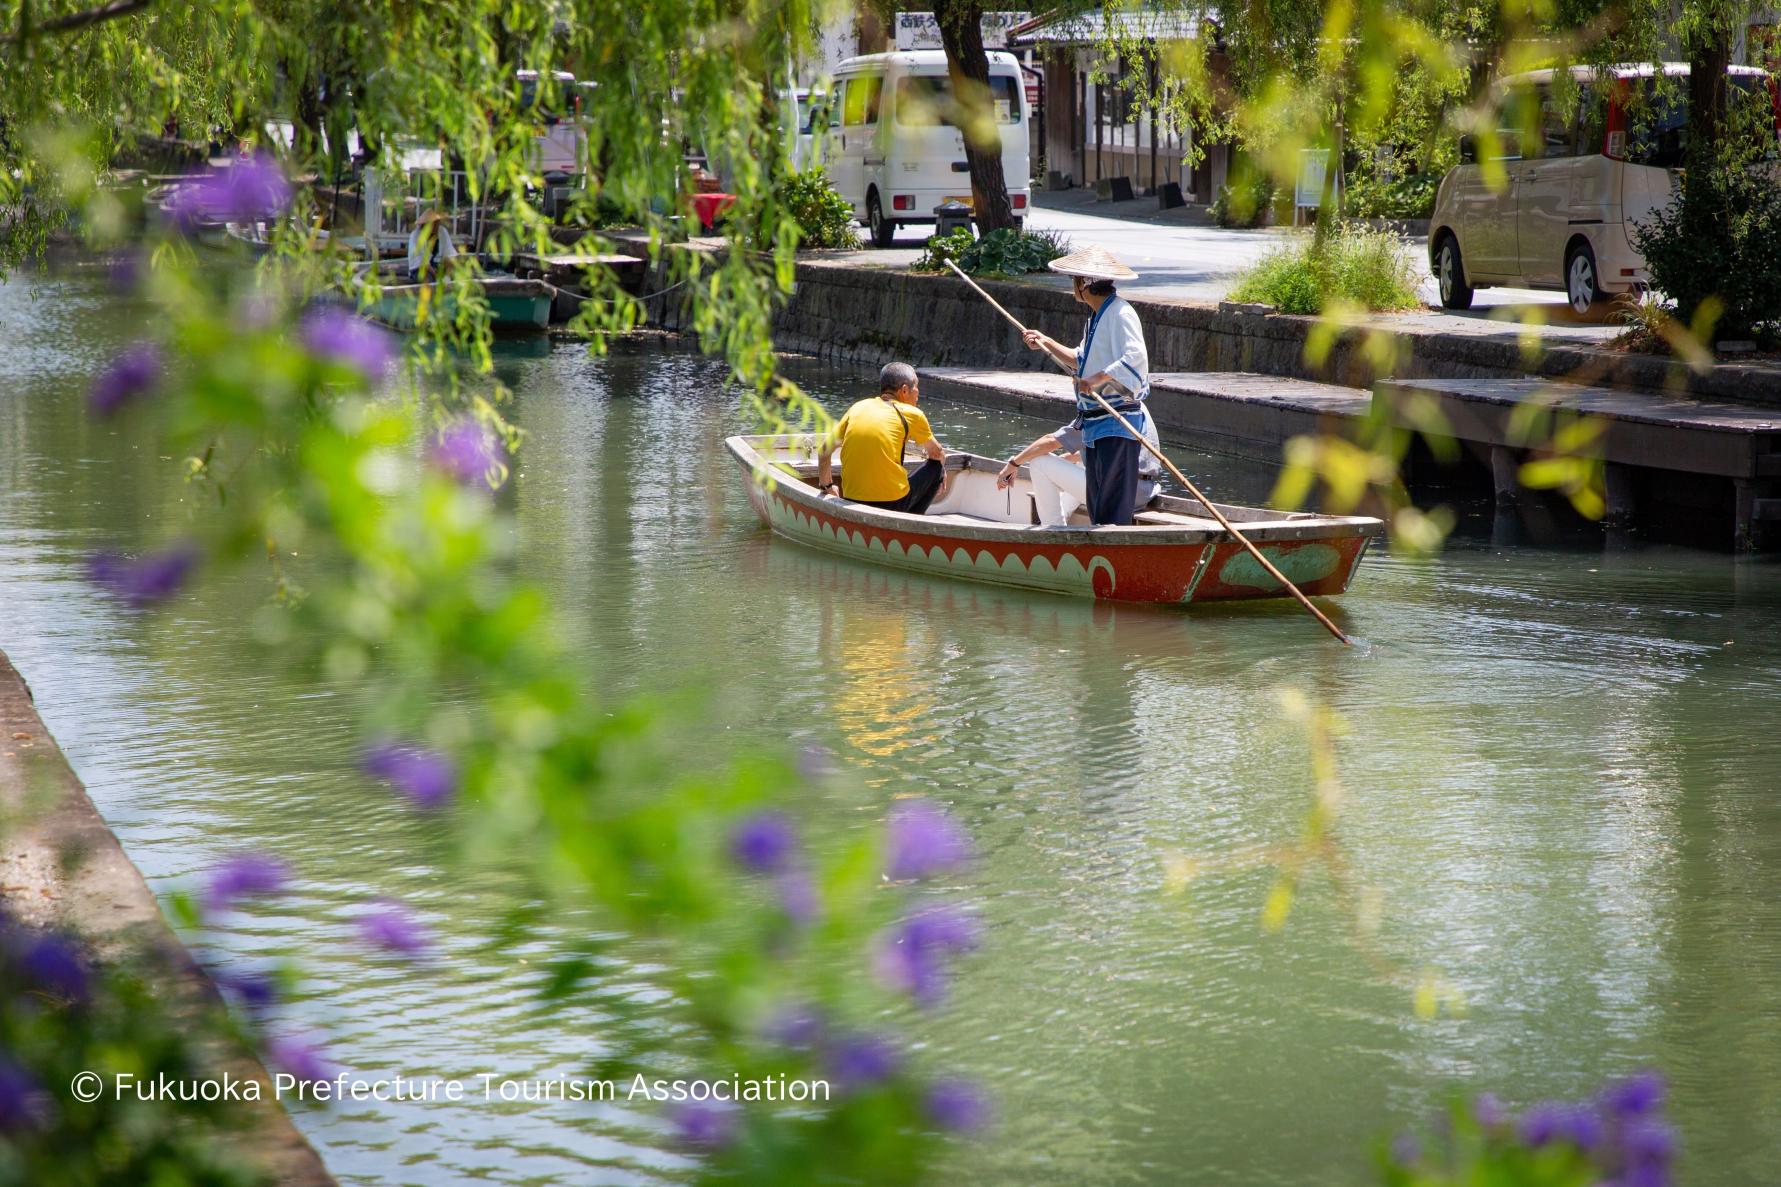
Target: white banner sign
column 919, row 30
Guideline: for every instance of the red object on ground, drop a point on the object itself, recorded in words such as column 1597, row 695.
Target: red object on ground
column 709, row 206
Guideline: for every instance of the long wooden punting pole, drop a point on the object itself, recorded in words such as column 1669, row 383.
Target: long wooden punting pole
column 1179, row 476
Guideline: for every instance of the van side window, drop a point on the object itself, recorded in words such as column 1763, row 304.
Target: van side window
column 1592, row 134
column 861, row 104
column 1556, row 127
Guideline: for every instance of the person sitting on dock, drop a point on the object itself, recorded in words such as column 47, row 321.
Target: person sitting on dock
column 1060, row 483
column 430, row 248
column 871, row 437
column 1113, row 361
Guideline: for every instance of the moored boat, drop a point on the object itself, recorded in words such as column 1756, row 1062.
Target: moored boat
column 515, row 303
column 1174, row 553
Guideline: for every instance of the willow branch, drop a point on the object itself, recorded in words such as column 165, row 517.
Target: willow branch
column 74, row 21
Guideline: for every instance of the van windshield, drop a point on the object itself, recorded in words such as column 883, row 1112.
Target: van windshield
column 924, row 101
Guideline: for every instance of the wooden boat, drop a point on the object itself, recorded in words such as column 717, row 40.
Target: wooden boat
column 514, row 303
column 1174, row 553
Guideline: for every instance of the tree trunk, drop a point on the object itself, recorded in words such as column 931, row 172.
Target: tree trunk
column 961, row 33
column 1709, row 53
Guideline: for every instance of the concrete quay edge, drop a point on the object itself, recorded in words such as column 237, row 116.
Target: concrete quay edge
column 105, row 901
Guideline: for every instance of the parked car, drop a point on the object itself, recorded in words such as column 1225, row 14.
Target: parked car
column 895, row 149
column 1575, row 188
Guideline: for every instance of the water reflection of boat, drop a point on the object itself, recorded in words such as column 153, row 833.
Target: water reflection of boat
column 1173, row 554
column 515, row 303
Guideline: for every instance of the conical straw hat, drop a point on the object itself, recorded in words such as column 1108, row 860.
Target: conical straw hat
column 1093, row 263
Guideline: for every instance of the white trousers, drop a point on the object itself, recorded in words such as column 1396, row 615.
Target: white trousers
column 1059, row 487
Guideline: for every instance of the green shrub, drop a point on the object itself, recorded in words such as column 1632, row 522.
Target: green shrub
column 1409, row 196
column 1719, row 241
column 1245, row 202
column 825, row 218
column 999, row 253
column 1369, row 268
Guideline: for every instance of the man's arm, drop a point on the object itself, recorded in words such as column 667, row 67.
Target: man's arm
column 825, row 452
column 1066, row 356
column 1039, row 448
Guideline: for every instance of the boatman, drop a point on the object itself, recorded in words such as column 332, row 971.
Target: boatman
column 1112, row 360
column 871, row 436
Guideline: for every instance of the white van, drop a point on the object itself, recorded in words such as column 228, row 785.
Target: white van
column 895, row 150
column 1575, row 188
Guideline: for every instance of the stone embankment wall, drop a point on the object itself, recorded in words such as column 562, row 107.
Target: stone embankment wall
column 102, row 898
column 849, row 313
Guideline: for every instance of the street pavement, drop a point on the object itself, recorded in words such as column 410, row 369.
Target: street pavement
column 1180, row 255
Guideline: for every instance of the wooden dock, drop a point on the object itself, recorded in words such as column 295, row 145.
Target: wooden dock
column 1716, row 465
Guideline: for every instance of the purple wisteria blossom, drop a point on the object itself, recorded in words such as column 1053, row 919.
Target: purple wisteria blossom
column 1562, row 1121
column 799, row 1027
column 764, row 843
column 706, row 1124
column 243, row 876
column 301, row 1057
column 334, row 334
column 51, row 963
column 257, row 990
column 143, row 580
column 798, row 896
column 861, row 1060
column 956, row 1105
column 1405, row 1150
column 250, row 188
column 1636, row 1096
column 467, row 450
column 391, row 926
column 913, row 956
column 428, row 778
column 923, row 840
column 130, row 376
column 1488, row 1111
column 22, row 1100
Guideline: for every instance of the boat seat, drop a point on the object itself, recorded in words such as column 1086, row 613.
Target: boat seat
column 1174, row 519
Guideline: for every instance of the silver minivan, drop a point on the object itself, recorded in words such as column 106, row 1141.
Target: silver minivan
column 1569, row 195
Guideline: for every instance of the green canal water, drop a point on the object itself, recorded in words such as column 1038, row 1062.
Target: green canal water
column 1560, row 772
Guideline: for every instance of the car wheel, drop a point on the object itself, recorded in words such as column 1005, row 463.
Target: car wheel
column 1582, row 284
column 1450, row 274
column 883, row 234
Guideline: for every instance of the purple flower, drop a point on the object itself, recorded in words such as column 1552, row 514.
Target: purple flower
column 913, row 955
column 250, row 188
column 54, row 965
column 957, row 1105
column 393, row 928
column 466, row 450
column 144, row 580
column 425, row 776
column 862, row 1060
column 709, row 1124
column 1559, row 1121
column 22, row 1101
column 1648, row 1143
column 764, row 843
column 1405, row 1150
column 1635, row 1096
column 242, row 876
column 131, row 375
column 1488, row 1110
column 924, row 840
column 301, row 1057
column 256, row 990
column 332, row 333
column 798, row 897
column 799, row 1027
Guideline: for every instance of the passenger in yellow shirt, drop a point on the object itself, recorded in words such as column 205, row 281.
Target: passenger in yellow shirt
column 871, row 437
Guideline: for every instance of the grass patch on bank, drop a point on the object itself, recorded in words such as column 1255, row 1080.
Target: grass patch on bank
column 1357, row 266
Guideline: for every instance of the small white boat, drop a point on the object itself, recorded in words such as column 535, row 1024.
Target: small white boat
column 1174, row 553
